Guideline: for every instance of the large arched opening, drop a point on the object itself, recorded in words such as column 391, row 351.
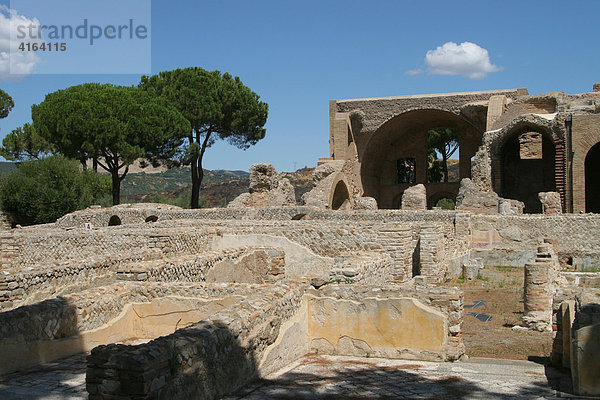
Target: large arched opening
column 592, row 179
column 396, row 157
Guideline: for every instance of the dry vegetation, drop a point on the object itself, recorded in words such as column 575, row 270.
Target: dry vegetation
column 501, row 288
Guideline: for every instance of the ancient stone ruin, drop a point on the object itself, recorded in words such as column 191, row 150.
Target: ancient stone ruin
column 175, row 303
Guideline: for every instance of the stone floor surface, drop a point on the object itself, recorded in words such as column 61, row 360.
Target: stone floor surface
column 60, row 380
column 328, row 377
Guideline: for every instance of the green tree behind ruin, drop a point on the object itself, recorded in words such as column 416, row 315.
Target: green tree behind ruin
column 445, row 142
column 43, row 190
column 23, row 143
column 112, row 125
column 6, row 104
column 218, row 106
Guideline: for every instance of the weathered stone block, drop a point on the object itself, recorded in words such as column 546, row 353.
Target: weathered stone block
column 263, row 177
column 365, row 203
column 585, row 369
column 414, row 198
column 530, row 146
column 551, row 203
column 471, row 269
column 472, row 198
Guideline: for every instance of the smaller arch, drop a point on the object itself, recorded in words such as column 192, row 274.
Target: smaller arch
column 341, row 197
column 433, row 200
column 151, row 218
column 114, row 221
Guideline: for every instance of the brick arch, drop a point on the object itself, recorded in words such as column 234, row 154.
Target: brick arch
column 586, row 134
column 496, row 141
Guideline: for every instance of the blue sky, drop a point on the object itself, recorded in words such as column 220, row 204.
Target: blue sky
column 299, row 55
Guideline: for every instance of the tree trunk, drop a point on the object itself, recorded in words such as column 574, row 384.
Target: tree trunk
column 197, row 171
column 445, row 166
column 196, row 181
column 116, row 187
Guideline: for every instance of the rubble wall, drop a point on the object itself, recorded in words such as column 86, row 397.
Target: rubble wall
column 513, row 240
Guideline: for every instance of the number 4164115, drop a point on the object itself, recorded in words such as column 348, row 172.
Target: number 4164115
column 27, row 46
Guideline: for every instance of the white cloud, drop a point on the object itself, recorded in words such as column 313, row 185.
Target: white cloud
column 466, row 59
column 14, row 63
column 413, row 72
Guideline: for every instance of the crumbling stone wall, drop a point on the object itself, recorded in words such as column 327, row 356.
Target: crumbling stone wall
column 181, row 233
column 205, row 360
column 513, row 239
column 42, row 283
column 576, row 343
column 266, row 189
column 75, row 323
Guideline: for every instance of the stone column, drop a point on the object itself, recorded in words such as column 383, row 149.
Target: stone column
column 538, row 290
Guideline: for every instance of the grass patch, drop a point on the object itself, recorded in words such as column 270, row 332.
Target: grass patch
column 507, row 268
column 591, row 268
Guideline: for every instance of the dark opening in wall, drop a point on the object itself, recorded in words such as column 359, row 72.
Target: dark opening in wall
column 298, row 217
column 114, row 221
column 416, row 259
column 152, row 218
column 525, row 175
column 407, row 170
column 341, row 197
column 592, row 180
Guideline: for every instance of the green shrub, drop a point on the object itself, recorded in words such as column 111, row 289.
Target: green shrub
column 42, row 191
column 446, row 204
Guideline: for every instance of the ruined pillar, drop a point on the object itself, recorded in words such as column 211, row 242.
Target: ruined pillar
column 538, row 290
column 430, row 253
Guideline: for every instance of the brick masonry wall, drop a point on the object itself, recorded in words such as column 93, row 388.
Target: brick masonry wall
column 43, row 283
column 382, row 109
column 585, row 135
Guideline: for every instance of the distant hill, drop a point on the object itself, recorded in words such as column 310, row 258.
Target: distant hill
column 173, row 179
column 218, row 188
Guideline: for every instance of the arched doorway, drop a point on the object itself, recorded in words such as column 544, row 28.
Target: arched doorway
column 114, row 221
column 592, row 179
column 523, row 174
column 341, row 197
column 396, row 156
